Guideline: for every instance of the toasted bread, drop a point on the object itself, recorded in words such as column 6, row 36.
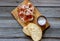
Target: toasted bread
column 25, row 30
column 34, row 31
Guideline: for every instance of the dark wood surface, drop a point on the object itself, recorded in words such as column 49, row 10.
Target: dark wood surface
column 10, row 30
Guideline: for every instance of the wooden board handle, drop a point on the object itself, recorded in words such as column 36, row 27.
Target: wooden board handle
column 26, row 1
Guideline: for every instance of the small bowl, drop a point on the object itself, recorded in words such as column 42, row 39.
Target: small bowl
column 42, row 20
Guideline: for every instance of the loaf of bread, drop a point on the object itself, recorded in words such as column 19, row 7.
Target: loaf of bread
column 34, row 31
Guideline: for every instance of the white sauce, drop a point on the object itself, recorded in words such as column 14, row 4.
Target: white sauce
column 42, row 21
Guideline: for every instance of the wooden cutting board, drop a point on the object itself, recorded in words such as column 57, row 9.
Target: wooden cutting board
column 36, row 15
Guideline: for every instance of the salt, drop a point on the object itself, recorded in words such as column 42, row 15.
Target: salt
column 42, row 21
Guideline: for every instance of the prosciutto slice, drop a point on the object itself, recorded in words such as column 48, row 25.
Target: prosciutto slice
column 25, row 12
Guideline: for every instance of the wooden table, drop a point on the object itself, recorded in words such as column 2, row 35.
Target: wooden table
column 10, row 30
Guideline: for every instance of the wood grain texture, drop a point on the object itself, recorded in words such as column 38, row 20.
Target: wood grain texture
column 50, row 40
column 20, row 39
column 46, row 11
column 10, row 30
column 18, row 33
column 35, row 2
column 11, row 23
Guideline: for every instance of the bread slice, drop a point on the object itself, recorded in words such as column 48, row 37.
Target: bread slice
column 34, row 31
column 25, row 30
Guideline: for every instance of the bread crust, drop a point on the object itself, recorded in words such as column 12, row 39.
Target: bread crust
column 34, row 31
column 25, row 30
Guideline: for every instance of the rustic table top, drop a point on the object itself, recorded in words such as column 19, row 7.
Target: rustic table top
column 10, row 30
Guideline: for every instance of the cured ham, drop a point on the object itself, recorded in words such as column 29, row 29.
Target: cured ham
column 25, row 12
